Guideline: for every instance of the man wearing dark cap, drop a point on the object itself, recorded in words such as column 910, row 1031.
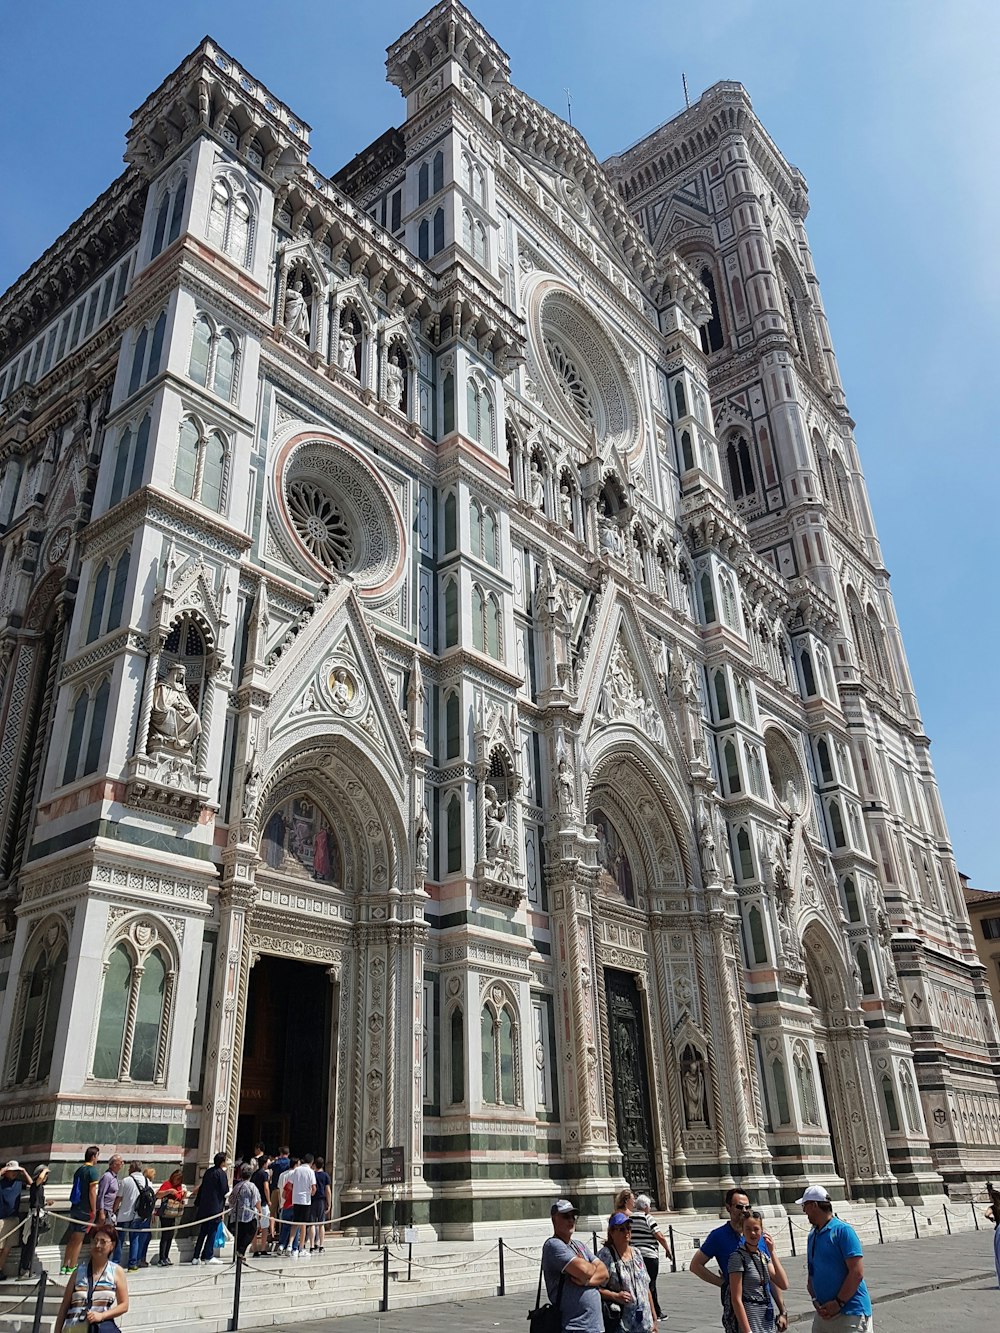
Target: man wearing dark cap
column 573, row 1276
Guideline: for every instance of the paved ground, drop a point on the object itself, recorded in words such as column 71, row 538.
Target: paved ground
column 941, row 1285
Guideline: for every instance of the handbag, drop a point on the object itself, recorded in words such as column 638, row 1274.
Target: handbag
column 546, row 1318
column 613, row 1314
column 106, row 1325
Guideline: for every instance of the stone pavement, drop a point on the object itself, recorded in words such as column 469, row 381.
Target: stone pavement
column 945, row 1283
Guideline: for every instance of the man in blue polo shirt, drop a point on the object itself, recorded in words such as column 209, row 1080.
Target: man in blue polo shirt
column 723, row 1241
column 836, row 1269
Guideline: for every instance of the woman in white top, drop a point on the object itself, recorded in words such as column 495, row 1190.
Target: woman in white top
column 97, row 1290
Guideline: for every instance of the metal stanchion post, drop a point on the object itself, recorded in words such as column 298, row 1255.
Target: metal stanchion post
column 409, row 1262
column 234, row 1323
column 43, row 1279
column 593, row 1240
column 916, row 1229
column 673, row 1248
column 947, row 1219
column 878, row 1223
column 791, row 1236
column 503, row 1283
column 975, row 1215
column 385, row 1279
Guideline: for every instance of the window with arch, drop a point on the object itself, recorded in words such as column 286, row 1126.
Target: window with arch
column 712, row 339
column 36, row 1009
column 876, row 645
column 707, row 597
column 146, row 352
column 865, row 971
column 780, row 1092
column 744, row 854
column 105, row 612
column 134, row 1021
column 487, row 636
column 843, row 497
column 214, row 357
column 680, row 401
column 909, row 1099
column 457, row 1056
column 86, row 730
column 721, row 696
column 450, row 522
column 755, row 769
column 729, row 613
column 453, row 818
column 687, row 451
column 808, row 675
column 739, row 469
column 825, row 762
column 474, row 236
column 889, row 1103
column 499, row 1031
column 858, row 628
column 837, row 825
column 483, row 525
column 451, row 613
column 732, row 766
column 479, row 406
column 806, row 1087
column 474, row 179
column 851, row 900
column 758, row 945
column 744, row 700
column 230, row 221
column 169, row 214
column 452, row 726
column 200, row 469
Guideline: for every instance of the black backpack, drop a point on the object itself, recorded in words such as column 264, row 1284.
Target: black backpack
column 145, row 1202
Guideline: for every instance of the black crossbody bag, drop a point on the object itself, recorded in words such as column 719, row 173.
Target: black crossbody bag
column 543, row 1318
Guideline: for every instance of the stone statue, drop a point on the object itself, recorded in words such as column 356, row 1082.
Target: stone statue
column 394, row 385
column 537, row 487
column 251, row 790
column 174, row 724
column 706, row 844
column 499, row 834
column 693, row 1088
column 341, row 690
column 296, row 311
column 566, row 783
column 346, row 346
column 422, row 843
column 566, row 506
column 610, row 537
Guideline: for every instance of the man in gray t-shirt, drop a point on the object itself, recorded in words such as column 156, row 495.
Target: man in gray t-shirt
column 582, row 1275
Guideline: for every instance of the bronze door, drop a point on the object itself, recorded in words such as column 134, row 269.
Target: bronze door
column 630, row 1081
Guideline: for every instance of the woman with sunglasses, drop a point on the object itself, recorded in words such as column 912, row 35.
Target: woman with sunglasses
column 626, row 1302
column 756, row 1280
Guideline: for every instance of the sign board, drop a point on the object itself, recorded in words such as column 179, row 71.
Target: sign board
column 392, row 1166
column 409, row 1235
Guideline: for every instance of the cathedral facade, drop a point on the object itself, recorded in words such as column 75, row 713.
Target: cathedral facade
column 452, row 697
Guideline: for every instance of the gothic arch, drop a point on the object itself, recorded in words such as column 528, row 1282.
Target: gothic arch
column 628, row 781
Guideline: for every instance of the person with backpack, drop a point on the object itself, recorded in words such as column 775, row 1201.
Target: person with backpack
column 146, row 1234
column 133, row 1210
column 82, row 1207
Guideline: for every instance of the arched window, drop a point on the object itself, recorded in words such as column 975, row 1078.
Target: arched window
column 200, row 468
column 214, row 356
column 483, row 533
column 438, row 172
column 732, row 768
column 680, row 402
column 480, row 413
column 450, row 614
column 876, row 645
column 754, row 768
column 439, row 231
column 780, row 1092
column 687, row 451
column 721, row 696
column 745, row 854
column 474, row 236
column 452, row 727
column 498, row 1028
column 146, row 353
column 450, row 522
column 909, row 1099
column 168, row 216
column 707, row 598
column 201, row 343
column 105, row 615
column 457, row 1056
column 36, row 1015
column 86, row 732
column 494, row 636
column 423, row 183
column 744, row 700
column 889, row 1102
column 424, row 240
column 130, row 461
column 230, row 222
column 757, row 943
column 837, row 825
column 134, row 1017
column 711, row 333
column 865, row 971
column 478, row 620
column 806, row 1088
column 851, row 899
column 825, row 765
column 808, row 676
column 843, row 496
column 448, row 404
column 742, row 481
column 454, row 821
column 95, row 626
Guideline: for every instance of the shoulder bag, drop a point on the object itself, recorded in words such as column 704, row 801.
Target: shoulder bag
column 546, row 1318
column 106, row 1325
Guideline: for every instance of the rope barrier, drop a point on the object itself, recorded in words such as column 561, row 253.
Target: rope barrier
column 469, row 1263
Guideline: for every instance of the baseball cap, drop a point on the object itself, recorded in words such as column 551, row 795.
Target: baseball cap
column 814, row 1194
column 12, row 1165
column 563, row 1206
column 619, row 1220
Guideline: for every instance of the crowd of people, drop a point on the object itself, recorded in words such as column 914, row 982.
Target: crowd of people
column 614, row 1291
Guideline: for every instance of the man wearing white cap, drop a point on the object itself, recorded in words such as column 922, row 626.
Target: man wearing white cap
column 836, row 1269
column 12, row 1180
column 573, row 1276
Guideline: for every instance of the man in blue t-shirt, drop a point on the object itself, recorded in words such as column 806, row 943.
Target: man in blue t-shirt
column 723, row 1241
column 836, row 1268
column 573, row 1276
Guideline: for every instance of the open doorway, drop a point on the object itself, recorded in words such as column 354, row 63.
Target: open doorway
column 287, row 1058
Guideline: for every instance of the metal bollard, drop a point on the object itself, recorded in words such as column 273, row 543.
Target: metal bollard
column 593, row 1241
column 234, row 1323
column 43, row 1279
column 673, row 1249
column 503, row 1283
column 791, row 1236
column 878, row 1223
column 384, row 1305
column 409, row 1262
column 916, row 1229
column 975, row 1215
column 947, row 1219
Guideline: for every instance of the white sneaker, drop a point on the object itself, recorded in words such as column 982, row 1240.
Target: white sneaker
column 214, row 1261
column 195, row 1263
column 305, row 1254
column 295, row 1254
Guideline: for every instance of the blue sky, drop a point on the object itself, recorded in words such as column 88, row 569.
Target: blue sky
column 885, row 105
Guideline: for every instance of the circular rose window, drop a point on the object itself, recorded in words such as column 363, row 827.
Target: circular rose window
column 339, row 518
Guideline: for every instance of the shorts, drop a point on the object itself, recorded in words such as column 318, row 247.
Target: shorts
column 844, row 1323
column 301, row 1212
column 264, row 1221
column 80, row 1222
column 318, row 1210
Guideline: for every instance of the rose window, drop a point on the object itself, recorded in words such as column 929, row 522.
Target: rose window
column 321, row 525
column 570, row 381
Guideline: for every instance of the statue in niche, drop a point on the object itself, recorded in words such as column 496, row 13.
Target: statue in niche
column 536, row 484
column 251, row 789
column 422, row 843
column 343, row 689
column 174, row 724
column 884, row 933
column 566, row 506
column 694, row 1089
column 394, row 381
column 707, row 847
column 296, row 311
column 610, row 537
column 565, row 783
column 346, row 347
column 499, row 834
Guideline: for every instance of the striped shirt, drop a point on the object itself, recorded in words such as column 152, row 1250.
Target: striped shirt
column 104, row 1292
column 644, row 1230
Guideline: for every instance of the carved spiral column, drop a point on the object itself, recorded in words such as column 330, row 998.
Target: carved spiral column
column 133, row 1006
column 165, row 1025
column 17, row 1023
column 675, row 1111
column 606, row 1069
column 746, row 1147
column 157, row 639
column 391, row 1021
column 721, row 1146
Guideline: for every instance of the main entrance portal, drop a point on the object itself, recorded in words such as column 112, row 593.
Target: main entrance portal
column 287, row 1058
column 630, row 1081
